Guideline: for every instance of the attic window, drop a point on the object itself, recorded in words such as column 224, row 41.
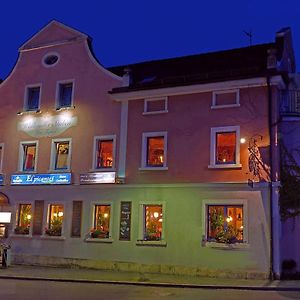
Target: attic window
column 50, row 59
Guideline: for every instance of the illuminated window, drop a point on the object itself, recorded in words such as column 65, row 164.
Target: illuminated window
column 32, row 98
column 225, row 223
column 55, row 220
column 61, row 149
column 155, row 106
column 153, row 222
column 154, row 151
column 65, row 94
column 223, row 99
column 101, row 228
column 104, row 152
column 225, row 147
column 28, row 155
column 23, row 219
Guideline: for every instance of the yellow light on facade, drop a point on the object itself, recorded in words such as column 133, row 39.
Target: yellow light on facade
column 242, row 140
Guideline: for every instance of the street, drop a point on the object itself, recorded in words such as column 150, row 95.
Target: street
column 34, row 290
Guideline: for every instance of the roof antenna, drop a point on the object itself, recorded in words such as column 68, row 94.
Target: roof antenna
column 249, row 34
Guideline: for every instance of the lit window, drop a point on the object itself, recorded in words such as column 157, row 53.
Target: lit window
column 104, row 152
column 55, row 221
column 23, row 219
column 154, row 150
column 28, row 154
column 65, row 95
column 61, row 154
column 101, row 226
column 155, row 106
column 225, row 147
column 225, row 223
column 32, row 98
column 153, row 222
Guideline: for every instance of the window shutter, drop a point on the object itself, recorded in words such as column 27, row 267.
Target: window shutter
column 37, row 228
column 76, row 219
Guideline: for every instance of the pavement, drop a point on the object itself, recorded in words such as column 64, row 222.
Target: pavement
column 82, row 275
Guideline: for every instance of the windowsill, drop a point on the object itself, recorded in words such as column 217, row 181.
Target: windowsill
column 99, row 240
column 71, row 107
column 228, row 166
column 52, row 237
column 151, row 243
column 103, row 170
column 28, row 112
column 26, row 172
column 153, row 169
column 225, row 246
column 145, row 113
column 225, row 106
column 27, row 236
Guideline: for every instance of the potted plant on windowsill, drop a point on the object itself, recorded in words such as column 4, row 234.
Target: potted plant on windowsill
column 100, row 234
column 54, row 228
column 22, row 230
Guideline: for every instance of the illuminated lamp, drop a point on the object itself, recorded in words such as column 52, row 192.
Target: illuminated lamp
column 5, row 217
column 242, row 140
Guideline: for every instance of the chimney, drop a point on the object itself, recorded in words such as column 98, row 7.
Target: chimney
column 127, row 76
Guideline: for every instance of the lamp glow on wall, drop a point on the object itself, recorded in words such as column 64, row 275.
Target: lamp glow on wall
column 5, row 217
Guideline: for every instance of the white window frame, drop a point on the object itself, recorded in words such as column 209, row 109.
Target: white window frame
column 92, row 218
column 27, row 87
column 225, row 202
column 50, row 54
column 95, row 147
column 57, row 95
column 145, row 136
column 1, row 157
column 16, row 220
column 147, row 100
column 21, row 155
column 53, row 155
column 46, row 221
column 141, row 227
column 216, row 93
column 214, row 131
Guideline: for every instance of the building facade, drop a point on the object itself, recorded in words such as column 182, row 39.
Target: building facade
column 167, row 166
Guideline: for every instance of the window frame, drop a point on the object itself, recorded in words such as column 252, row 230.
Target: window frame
column 47, row 220
column 216, row 93
column 225, row 202
column 147, row 100
column 57, row 94
column 26, row 95
column 213, row 144
column 21, row 156
column 95, row 150
column 17, row 217
column 145, row 137
column 53, row 155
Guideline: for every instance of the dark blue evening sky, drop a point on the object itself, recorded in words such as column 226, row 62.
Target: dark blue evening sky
column 129, row 31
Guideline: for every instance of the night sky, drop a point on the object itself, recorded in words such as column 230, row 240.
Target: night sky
column 129, row 31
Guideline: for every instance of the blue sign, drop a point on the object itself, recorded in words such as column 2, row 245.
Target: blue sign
column 1, row 179
column 40, row 179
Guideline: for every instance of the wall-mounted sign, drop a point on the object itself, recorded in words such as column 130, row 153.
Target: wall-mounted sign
column 5, row 217
column 47, row 125
column 39, row 179
column 101, row 177
column 125, row 221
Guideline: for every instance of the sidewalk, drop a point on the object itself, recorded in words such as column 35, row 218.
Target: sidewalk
column 148, row 279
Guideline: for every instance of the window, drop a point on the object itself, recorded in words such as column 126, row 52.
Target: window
column 152, row 222
column 101, row 226
column 23, row 219
column 65, row 93
column 55, row 220
column 225, row 223
column 155, row 106
column 32, row 98
column 104, row 152
column 225, row 147
column 223, row 99
column 28, row 156
column 61, row 149
column 50, row 59
column 154, row 150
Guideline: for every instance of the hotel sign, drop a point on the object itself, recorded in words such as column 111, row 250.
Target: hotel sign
column 47, row 125
column 40, row 179
column 101, row 177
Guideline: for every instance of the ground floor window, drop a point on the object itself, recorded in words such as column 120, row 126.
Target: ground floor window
column 225, row 223
column 101, row 227
column 23, row 219
column 55, row 220
column 153, row 222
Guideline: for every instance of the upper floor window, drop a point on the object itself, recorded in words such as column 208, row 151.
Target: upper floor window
column 65, row 92
column 154, row 150
column 223, row 99
column 32, row 98
column 50, row 59
column 28, row 155
column 104, row 152
column 60, row 158
column 155, row 105
column 225, row 147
